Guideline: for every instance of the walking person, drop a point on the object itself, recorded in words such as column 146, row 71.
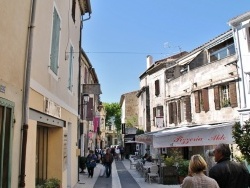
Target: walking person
column 91, row 163
column 107, row 162
column 197, row 178
column 227, row 173
column 117, row 153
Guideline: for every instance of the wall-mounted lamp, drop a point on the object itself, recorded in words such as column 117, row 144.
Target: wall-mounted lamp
column 195, row 84
column 85, row 98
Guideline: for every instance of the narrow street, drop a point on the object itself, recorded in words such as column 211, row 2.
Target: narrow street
column 122, row 177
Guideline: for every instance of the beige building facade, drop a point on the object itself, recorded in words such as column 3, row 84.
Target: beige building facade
column 39, row 91
column 13, row 37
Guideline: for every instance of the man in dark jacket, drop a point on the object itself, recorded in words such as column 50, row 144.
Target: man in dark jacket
column 107, row 162
column 228, row 174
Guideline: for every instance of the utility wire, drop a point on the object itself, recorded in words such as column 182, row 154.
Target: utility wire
column 124, row 53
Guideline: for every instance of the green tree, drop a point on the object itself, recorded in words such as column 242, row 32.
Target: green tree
column 132, row 121
column 241, row 134
column 113, row 114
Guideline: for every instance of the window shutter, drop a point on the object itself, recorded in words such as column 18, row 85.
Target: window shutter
column 170, row 111
column 154, row 114
column 187, row 102
column 205, row 99
column 217, row 97
column 55, row 42
column 197, row 102
column 73, row 11
column 161, row 111
column 175, row 113
column 157, row 88
column 179, row 111
column 70, row 81
column 233, row 94
column 90, row 110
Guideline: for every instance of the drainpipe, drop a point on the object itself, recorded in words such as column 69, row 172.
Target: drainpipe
column 26, row 93
column 79, row 90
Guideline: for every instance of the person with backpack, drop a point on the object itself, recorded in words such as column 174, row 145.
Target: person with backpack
column 107, row 162
column 91, row 163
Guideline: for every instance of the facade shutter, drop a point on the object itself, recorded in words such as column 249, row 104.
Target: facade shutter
column 217, row 97
column 148, row 125
column 170, row 112
column 90, row 110
column 205, row 99
column 187, row 102
column 55, row 42
column 161, row 111
column 233, row 94
column 197, row 102
column 154, row 114
column 175, row 113
column 157, row 87
column 179, row 111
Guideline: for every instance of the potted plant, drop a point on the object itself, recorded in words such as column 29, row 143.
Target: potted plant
column 170, row 175
column 52, row 183
column 182, row 169
column 82, row 163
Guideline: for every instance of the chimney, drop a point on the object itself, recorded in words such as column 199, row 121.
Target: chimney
column 149, row 61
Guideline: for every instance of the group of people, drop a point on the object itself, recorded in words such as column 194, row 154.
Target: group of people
column 224, row 174
column 117, row 152
column 106, row 159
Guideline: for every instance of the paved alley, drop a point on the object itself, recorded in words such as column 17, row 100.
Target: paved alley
column 122, row 177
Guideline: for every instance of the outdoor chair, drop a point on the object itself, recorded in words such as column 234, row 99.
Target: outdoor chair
column 153, row 174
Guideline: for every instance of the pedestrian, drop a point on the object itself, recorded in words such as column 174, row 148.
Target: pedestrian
column 122, row 152
column 227, row 173
column 91, row 163
column 197, row 178
column 117, row 153
column 107, row 162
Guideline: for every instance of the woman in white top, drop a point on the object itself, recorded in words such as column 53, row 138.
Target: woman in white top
column 197, row 178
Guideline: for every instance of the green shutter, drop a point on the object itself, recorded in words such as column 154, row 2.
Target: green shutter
column 55, row 42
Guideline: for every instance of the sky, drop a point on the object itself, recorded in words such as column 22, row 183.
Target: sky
column 120, row 34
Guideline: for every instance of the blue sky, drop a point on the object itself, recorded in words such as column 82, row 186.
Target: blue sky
column 121, row 33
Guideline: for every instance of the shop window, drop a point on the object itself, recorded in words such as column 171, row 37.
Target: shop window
column 6, row 123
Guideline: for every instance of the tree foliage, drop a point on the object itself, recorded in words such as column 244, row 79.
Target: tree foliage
column 132, row 121
column 241, row 134
column 113, row 115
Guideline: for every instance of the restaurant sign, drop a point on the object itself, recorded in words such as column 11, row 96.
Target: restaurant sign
column 195, row 136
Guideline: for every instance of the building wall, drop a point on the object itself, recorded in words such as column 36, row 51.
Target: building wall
column 202, row 77
column 241, row 25
column 47, row 85
column 13, row 37
column 158, row 100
